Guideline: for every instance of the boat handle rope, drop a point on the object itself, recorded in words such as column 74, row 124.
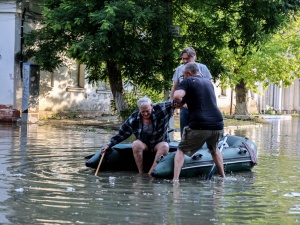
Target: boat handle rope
column 251, row 152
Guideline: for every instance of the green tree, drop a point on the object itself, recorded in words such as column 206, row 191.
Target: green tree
column 131, row 40
column 120, row 40
column 277, row 61
column 227, row 33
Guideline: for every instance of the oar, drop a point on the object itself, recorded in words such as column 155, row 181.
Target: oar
column 209, row 176
column 96, row 173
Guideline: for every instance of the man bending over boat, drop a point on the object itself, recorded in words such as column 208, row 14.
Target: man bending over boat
column 206, row 121
column 149, row 124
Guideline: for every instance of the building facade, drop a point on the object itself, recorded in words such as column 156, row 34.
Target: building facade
column 273, row 100
column 10, row 20
column 62, row 93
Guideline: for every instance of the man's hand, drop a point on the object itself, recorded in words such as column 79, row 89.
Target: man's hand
column 176, row 104
column 104, row 149
column 184, row 106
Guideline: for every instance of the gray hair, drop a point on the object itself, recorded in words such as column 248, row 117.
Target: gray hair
column 190, row 51
column 192, row 67
column 144, row 101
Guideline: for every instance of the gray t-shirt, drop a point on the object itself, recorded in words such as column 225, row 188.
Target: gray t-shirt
column 178, row 76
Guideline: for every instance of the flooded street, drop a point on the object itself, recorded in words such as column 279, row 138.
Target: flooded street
column 44, row 180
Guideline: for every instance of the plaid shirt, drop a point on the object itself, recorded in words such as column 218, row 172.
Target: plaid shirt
column 160, row 116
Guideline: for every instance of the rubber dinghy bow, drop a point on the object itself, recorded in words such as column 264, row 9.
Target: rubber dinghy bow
column 209, row 176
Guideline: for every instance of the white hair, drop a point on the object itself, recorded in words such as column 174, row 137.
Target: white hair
column 144, row 101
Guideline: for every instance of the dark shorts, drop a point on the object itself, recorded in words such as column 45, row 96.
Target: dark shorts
column 150, row 148
column 193, row 140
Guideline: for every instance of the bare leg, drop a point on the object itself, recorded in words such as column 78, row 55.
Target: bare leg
column 218, row 159
column 178, row 162
column 162, row 148
column 138, row 148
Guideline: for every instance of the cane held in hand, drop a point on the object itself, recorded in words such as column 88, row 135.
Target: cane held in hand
column 102, row 157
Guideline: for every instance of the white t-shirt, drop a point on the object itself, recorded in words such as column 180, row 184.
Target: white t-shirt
column 178, row 76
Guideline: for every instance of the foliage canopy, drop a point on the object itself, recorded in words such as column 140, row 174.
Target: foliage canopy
column 132, row 40
column 132, row 34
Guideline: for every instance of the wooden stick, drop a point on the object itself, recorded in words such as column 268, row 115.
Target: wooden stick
column 96, row 173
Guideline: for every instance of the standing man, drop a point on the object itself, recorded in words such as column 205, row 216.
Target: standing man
column 149, row 124
column 206, row 120
column 187, row 55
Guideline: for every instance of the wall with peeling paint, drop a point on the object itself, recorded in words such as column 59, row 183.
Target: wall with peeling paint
column 60, row 94
column 63, row 93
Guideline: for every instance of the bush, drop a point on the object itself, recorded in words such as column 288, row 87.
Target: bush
column 133, row 96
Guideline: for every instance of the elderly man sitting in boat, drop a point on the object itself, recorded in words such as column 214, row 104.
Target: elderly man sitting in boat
column 149, row 124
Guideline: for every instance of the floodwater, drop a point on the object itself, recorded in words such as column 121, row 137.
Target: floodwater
column 43, row 180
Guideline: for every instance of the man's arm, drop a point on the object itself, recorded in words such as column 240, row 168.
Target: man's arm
column 178, row 95
column 124, row 132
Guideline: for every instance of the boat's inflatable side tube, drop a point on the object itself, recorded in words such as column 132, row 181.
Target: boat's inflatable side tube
column 235, row 156
column 94, row 160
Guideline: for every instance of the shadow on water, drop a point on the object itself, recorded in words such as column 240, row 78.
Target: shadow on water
column 43, row 180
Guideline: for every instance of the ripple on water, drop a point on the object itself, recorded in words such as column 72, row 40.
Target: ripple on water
column 48, row 165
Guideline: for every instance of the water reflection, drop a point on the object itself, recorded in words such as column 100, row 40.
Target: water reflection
column 43, row 180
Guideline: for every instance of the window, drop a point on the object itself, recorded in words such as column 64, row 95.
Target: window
column 81, row 75
column 223, row 92
column 79, row 80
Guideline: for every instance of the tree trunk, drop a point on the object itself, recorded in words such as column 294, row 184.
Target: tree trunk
column 241, row 99
column 116, row 85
